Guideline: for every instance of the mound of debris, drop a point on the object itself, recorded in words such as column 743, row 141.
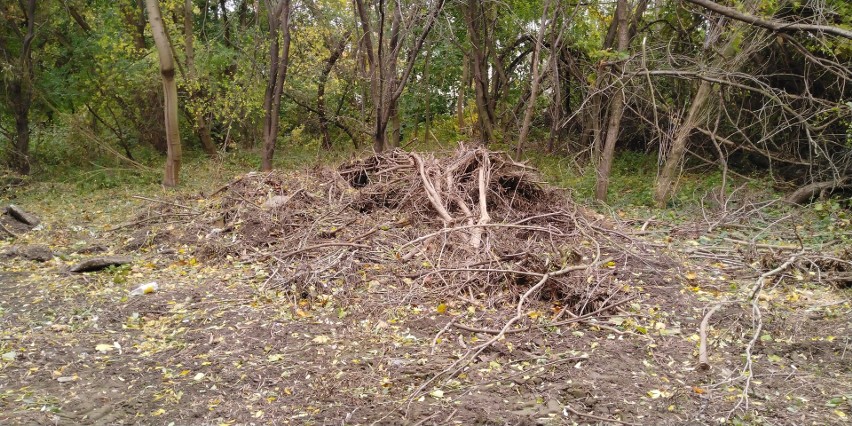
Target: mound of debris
column 473, row 223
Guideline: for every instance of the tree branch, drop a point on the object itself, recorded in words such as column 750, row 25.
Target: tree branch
column 770, row 24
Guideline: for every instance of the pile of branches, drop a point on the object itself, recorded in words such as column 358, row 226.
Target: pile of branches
column 474, row 224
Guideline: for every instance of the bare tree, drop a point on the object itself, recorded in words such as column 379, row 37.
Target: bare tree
column 188, row 39
column 730, row 57
column 535, row 79
column 336, row 51
column 279, row 60
column 386, row 83
column 616, row 107
column 170, row 98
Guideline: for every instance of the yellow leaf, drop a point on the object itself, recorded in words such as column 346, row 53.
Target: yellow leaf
column 104, row 347
column 690, row 275
column 533, row 314
column 158, row 412
column 437, row 393
column 275, row 357
column 321, row 339
column 441, row 308
column 840, row 414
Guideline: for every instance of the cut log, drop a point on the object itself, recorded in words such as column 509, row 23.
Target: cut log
column 22, row 215
column 101, row 262
column 807, row 192
column 38, row 253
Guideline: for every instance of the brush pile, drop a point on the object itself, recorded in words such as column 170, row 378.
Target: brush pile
column 473, row 224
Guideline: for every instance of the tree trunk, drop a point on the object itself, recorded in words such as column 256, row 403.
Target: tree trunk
column 386, row 83
column 478, row 64
column 200, row 122
column 170, row 98
column 534, row 77
column 427, row 119
column 463, row 84
column 671, row 166
column 225, row 24
column 279, row 60
column 329, row 65
column 19, row 88
column 616, row 109
column 396, row 127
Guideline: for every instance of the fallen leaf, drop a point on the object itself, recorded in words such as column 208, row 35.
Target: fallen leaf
column 321, row 339
column 437, row 393
column 104, row 347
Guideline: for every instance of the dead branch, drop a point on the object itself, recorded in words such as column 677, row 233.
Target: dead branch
column 11, row 234
column 592, row 416
column 771, row 24
column 168, row 203
column 319, row 246
column 702, row 347
column 434, row 197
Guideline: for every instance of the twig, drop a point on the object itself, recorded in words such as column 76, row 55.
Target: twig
column 319, row 246
column 139, row 197
column 487, row 225
column 592, row 416
column 702, row 348
column 148, row 219
column 443, row 330
column 762, row 279
column 12, row 234
column 466, row 359
column 488, row 330
column 760, row 245
column 584, row 317
column 757, row 318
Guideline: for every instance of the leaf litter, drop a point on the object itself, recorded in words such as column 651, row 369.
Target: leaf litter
column 404, row 287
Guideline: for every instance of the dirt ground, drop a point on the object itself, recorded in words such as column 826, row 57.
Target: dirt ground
column 227, row 340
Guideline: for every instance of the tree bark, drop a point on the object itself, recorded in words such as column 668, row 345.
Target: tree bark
column 200, row 122
column 19, row 88
column 386, row 84
column 170, row 98
column 770, row 24
column 427, row 119
column 525, row 126
column 463, row 84
column 335, row 54
column 731, row 58
column 279, row 60
column 616, row 109
column 805, row 193
column 677, row 150
column 485, row 118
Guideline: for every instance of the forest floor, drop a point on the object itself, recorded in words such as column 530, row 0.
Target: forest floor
column 341, row 325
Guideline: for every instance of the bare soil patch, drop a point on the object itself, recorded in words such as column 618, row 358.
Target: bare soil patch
column 407, row 289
